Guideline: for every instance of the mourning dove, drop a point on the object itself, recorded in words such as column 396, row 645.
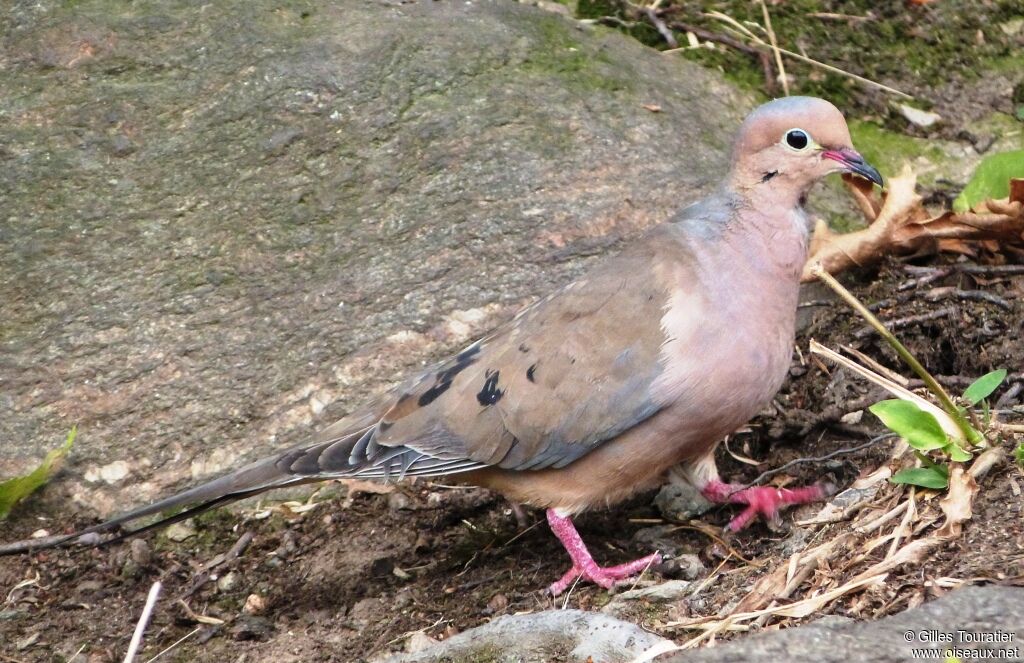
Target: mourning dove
column 595, row 391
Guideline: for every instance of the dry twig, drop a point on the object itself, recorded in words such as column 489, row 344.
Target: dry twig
column 140, row 627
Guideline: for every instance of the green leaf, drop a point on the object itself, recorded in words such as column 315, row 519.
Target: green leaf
column 14, row 490
column 983, row 387
column 1018, row 454
column 957, row 453
column 919, row 428
column 991, row 179
column 936, row 477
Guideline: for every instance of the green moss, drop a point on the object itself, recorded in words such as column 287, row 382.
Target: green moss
column 559, row 53
column 735, row 70
column 888, row 150
column 597, row 8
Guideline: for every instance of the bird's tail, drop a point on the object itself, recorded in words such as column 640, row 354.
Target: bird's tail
column 252, row 479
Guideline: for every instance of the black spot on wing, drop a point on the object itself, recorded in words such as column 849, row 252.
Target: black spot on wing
column 428, row 396
column 767, row 176
column 490, row 394
column 530, row 371
column 464, row 360
column 443, row 379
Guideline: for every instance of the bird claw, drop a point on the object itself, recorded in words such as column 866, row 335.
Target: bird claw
column 603, row 576
column 762, row 500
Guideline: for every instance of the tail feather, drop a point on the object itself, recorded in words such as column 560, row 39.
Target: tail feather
column 255, row 478
column 331, row 456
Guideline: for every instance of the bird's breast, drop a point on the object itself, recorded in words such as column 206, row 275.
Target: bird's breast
column 728, row 346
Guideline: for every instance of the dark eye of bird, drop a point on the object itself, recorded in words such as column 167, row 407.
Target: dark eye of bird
column 797, row 139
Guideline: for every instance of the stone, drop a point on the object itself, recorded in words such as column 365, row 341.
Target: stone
column 251, row 627
column 356, row 181
column 984, row 612
column 180, row 531
column 399, row 501
column 565, row 635
column 660, row 593
column 419, row 641
column 254, row 604
column 140, row 551
column 689, row 566
column 228, row 582
column 679, row 501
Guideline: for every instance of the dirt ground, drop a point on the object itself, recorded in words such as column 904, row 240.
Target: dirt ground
column 356, row 575
column 353, row 577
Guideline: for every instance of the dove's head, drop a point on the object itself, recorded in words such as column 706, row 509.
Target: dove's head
column 788, row 144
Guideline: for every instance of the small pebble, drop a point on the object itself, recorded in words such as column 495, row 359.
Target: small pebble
column 254, row 604
column 399, row 501
column 141, row 553
column 250, row 627
column 228, row 582
column 497, row 604
column 419, row 641
column 181, row 531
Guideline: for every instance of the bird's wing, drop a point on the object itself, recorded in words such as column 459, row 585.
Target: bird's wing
column 568, row 373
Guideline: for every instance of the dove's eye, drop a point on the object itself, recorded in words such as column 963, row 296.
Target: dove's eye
column 797, row 139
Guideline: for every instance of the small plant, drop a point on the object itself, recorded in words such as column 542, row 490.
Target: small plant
column 991, row 180
column 16, row 489
column 925, row 434
column 1018, row 454
column 938, row 433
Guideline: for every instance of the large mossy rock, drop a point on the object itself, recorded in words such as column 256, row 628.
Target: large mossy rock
column 225, row 224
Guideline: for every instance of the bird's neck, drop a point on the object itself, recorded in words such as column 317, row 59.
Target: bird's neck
column 768, row 237
column 770, row 189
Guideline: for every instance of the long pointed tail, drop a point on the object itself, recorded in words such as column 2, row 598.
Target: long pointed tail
column 250, row 480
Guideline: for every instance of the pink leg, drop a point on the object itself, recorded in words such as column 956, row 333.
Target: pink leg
column 583, row 565
column 763, row 500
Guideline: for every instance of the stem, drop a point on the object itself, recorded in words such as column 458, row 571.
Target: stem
column 970, row 433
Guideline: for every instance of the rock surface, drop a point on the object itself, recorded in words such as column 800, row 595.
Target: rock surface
column 224, row 225
column 981, row 623
column 566, row 635
column 984, row 612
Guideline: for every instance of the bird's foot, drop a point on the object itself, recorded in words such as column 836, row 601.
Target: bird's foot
column 761, row 500
column 583, row 565
column 605, row 576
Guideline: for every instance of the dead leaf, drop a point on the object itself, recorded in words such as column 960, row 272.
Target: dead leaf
column 986, row 461
column 654, row 108
column 899, row 224
column 356, row 486
column 196, row 617
column 957, row 502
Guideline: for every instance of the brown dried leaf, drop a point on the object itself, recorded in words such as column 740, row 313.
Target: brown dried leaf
column 356, row 486
column 1017, row 190
column 901, row 225
column 957, row 502
column 863, row 193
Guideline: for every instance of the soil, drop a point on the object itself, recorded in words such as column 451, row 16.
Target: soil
column 352, row 578
column 355, row 576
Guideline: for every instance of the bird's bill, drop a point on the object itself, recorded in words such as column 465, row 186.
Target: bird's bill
column 853, row 162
